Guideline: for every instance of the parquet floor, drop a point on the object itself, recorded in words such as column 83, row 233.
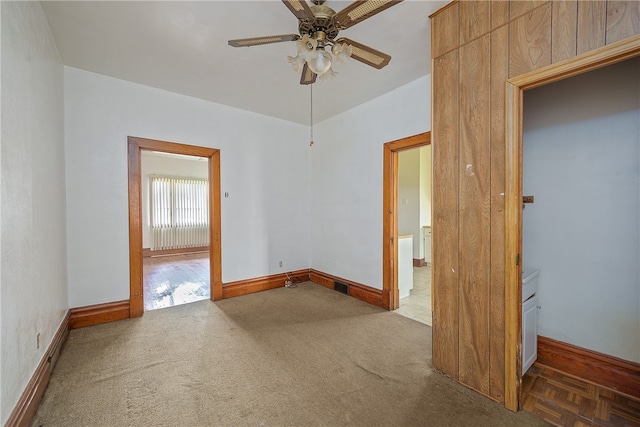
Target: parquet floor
column 566, row 401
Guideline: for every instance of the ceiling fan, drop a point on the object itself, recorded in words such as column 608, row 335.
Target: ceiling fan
column 318, row 27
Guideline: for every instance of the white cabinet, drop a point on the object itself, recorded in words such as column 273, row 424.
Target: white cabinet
column 426, row 241
column 405, row 265
column 529, row 332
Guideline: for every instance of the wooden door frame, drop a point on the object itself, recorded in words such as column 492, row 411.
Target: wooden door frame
column 515, row 88
column 135, row 146
column 390, row 296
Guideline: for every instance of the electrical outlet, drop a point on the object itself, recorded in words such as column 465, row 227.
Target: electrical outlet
column 280, row 264
column 38, row 340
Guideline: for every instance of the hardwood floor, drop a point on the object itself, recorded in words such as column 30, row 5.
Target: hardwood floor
column 563, row 400
column 175, row 279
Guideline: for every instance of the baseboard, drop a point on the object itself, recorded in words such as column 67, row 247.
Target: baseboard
column 98, row 313
column 419, row 262
column 147, row 252
column 250, row 286
column 356, row 290
column 119, row 310
column 600, row 369
column 28, row 403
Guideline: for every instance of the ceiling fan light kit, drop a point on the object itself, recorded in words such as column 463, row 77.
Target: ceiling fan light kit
column 341, row 51
column 318, row 26
column 321, row 63
column 307, row 47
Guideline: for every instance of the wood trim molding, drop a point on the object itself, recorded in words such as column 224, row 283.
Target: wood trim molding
column 414, row 141
column 606, row 55
column 135, row 146
column 356, row 290
column 389, row 229
column 146, row 252
column 29, row 401
column 81, row 317
column 96, row 314
column 366, row 293
column 443, row 8
column 215, row 226
column 258, row 284
column 419, row 262
column 600, row 369
column 515, row 88
column 390, row 295
column 513, row 244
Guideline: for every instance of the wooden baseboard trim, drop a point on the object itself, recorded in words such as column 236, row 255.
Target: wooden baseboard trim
column 250, row 286
column 147, row 252
column 356, row 290
column 28, row 403
column 600, row 369
column 98, row 313
column 419, row 262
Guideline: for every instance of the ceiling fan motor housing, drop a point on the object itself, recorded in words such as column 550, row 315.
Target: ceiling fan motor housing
column 322, row 23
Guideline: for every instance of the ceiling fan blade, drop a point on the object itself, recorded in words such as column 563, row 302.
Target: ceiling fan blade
column 308, row 77
column 255, row 41
column 299, row 8
column 366, row 54
column 360, row 10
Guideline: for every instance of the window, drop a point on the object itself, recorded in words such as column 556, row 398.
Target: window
column 179, row 212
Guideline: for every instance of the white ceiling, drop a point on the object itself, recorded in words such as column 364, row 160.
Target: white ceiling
column 181, row 46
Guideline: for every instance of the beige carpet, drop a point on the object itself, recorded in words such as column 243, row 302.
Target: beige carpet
column 286, row 357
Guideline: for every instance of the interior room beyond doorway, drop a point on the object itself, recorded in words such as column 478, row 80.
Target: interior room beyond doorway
column 175, row 229
column 414, row 233
column 407, row 229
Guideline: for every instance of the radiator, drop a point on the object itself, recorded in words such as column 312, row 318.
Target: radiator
column 180, row 237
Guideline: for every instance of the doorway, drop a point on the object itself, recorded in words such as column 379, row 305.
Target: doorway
column 515, row 89
column 390, row 237
column 212, row 156
column 414, row 234
column 175, row 229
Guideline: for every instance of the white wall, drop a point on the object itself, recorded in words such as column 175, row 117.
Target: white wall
column 425, row 186
column 409, row 198
column 33, row 250
column 581, row 161
column 346, row 183
column 263, row 167
column 165, row 165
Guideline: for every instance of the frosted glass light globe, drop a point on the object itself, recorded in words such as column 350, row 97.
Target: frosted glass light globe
column 321, row 63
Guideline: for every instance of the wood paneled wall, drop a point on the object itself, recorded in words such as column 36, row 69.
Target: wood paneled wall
column 476, row 47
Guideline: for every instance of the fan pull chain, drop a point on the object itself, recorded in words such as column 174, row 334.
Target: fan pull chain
column 311, row 118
